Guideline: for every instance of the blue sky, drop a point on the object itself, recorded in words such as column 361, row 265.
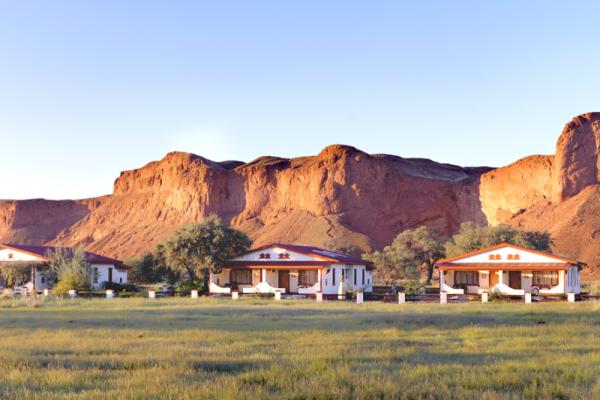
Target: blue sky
column 90, row 88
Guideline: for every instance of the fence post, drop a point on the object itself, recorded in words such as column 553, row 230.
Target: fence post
column 194, row 294
column 401, row 298
column 110, row 294
column 443, row 297
column 235, row 295
column 571, row 297
column 151, row 294
column 72, row 293
column 24, row 291
column 527, row 298
column 484, row 297
column 277, row 295
column 359, row 298
column 46, row 292
column 319, row 297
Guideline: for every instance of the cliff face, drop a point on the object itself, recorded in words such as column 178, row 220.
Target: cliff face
column 342, row 195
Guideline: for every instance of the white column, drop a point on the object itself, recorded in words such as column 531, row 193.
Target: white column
column 442, row 280
column 319, row 297
column 320, row 279
column 443, row 298
column 500, row 277
column 194, row 294
column 263, row 275
column 571, row 297
column 359, row 298
column 277, row 295
column 527, row 298
column 401, row 298
column 235, row 295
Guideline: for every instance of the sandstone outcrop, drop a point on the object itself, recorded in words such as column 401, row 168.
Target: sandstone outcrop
column 342, row 195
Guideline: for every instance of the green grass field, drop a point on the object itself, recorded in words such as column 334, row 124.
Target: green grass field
column 211, row 348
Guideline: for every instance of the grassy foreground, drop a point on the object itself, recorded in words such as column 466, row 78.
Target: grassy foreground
column 211, row 348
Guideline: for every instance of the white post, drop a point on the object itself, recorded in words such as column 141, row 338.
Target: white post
column 46, row 292
column 319, row 297
column 443, row 298
column 110, row 294
column 359, row 298
column 527, row 298
column 151, row 294
column 194, row 294
column 277, row 295
column 263, row 276
column 235, row 295
column 442, row 280
column 24, row 291
column 320, row 279
column 401, row 298
column 484, row 297
column 72, row 293
column 571, row 297
column 500, row 277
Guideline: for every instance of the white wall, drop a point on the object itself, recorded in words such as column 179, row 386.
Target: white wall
column 118, row 276
column 330, row 287
column 17, row 256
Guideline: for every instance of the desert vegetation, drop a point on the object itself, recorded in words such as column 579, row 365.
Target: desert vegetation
column 253, row 348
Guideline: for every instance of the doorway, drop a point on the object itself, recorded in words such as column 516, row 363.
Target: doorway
column 514, row 279
column 284, row 280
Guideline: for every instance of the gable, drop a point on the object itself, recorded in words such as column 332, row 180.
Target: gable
column 509, row 254
column 274, row 254
column 12, row 255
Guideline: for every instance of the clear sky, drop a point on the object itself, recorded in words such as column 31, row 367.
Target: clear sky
column 90, row 88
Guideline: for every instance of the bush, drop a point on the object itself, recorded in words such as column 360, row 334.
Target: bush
column 119, row 287
column 71, row 269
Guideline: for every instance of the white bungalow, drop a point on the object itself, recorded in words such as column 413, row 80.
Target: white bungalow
column 509, row 270
column 104, row 269
column 293, row 269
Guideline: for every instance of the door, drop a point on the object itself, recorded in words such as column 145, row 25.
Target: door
column 110, row 275
column 284, row 280
column 514, row 279
column 493, row 279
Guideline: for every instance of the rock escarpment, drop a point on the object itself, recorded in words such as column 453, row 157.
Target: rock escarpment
column 342, row 195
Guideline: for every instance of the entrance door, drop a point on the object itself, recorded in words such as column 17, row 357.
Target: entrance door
column 284, row 280
column 493, row 278
column 514, row 279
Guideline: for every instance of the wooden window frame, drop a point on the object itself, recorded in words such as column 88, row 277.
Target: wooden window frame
column 540, row 279
column 466, row 281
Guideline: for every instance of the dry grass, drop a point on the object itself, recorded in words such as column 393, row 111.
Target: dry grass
column 209, row 348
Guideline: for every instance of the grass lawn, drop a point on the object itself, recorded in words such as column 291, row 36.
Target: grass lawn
column 211, row 348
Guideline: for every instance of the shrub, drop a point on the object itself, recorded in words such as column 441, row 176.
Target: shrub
column 119, row 287
column 72, row 271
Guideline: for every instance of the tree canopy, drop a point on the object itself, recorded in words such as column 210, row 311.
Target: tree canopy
column 472, row 237
column 195, row 250
column 70, row 269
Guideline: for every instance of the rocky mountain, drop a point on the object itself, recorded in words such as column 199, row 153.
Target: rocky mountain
column 342, row 196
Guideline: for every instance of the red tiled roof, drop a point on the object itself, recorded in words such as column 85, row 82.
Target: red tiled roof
column 42, row 251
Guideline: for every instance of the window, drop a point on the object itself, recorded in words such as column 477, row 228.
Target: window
column 545, row 279
column 284, row 256
column 333, row 276
column 363, row 276
column 95, row 274
column 355, row 280
column 307, row 278
column 466, row 278
column 265, row 255
column 241, row 276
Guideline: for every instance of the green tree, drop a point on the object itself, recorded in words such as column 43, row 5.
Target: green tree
column 149, row 268
column 15, row 273
column 386, row 270
column 416, row 248
column 69, row 270
column 472, row 237
column 196, row 250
